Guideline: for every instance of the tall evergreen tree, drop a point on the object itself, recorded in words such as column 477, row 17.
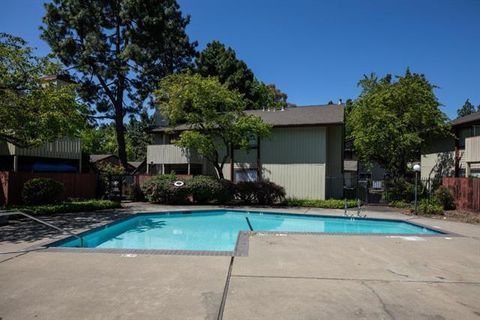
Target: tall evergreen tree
column 119, row 50
column 222, row 62
column 466, row 109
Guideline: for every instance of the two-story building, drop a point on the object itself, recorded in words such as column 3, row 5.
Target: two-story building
column 457, row 155
column 304, row 153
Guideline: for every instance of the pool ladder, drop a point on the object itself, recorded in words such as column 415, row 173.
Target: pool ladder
column 10, row 213
column 352, row 216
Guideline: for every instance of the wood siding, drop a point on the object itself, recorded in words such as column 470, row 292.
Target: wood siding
column 65, row 148
column 170, row 154
column 472, row 149
column 294, row 158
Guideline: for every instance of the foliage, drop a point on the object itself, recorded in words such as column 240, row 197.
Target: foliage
column 32, row 110
column 205, row 189
column 160, row 189
column 392, row 120
column 400, row 189
column 430, row 207
column 445, row 198
column 259, row 192
column 136, row 193
column 213, row 114
column 219, row 61
column 102, row 140
column 119, row 50
column 400, row 204
column 67, row 207
column 328, row 204
column 138, row 137
column 466, row 109
column 41, row 191
column 109, row 169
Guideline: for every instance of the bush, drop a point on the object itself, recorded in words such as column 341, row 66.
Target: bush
column 136, row 193
column 205, row 189
column 161, row 189
column 399, row 190
column 328, row 204
column 445, row 197
column 74, row 206
column 430, row 207
column 269, row 193
column 400, row 204
column 259, row 192
column 42, row 191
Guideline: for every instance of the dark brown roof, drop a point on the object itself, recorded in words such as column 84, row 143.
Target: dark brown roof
column 474, row 117
column 318, row 115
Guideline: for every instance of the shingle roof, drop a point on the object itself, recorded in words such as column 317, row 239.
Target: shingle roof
column 98, row 157
column 293, row 117
column 467, row 119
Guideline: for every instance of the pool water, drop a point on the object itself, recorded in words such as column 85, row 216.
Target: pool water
column 218, row 230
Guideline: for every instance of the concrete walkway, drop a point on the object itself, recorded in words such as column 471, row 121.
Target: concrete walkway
column 283, row 277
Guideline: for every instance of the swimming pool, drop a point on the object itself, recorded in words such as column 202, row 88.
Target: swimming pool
column 218, row 230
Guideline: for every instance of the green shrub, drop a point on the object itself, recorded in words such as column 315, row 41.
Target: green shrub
column 42, row 191
column 259, row 192
column 400, row 204
column 399, row 190
column 206, row 189
column 136, row 193
column 74, row 206
column 161, row 189
column 430, row 207
column 445, row 197
column 268, row 193
column 328, row 204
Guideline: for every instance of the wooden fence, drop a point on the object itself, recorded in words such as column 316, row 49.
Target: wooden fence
column 77, row 185
column 466, row 192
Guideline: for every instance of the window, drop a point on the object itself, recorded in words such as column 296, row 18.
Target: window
column 245, row 175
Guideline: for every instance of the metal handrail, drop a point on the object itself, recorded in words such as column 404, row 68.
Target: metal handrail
column 9, row 213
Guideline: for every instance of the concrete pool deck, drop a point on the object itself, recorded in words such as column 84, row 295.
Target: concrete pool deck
column 283, row 276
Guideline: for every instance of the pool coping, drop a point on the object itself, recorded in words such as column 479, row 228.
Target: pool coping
column 243, row 238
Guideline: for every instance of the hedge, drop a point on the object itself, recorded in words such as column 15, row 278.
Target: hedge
column 65, row 207
column 328, row 204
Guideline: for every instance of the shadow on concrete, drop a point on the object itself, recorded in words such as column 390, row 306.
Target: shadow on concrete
column 21, row 229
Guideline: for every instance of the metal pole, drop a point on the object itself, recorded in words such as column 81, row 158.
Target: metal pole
column 416, row 179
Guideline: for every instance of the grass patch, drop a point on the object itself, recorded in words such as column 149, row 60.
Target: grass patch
column 64, row 207
column 328, row 204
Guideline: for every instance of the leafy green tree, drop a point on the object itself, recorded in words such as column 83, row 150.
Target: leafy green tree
column 102, row 140
column 466, row 109
column 33, row 110
column 119, row 51
column 392, row 120
column 222, row 62
column 213, row 114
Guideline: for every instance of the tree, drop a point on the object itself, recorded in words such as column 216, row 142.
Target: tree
column 466, row 109
column 138, row 136
column 213, row 114
column 392, row 120
column 219, row 61
column 33, row 110
column 119, row 51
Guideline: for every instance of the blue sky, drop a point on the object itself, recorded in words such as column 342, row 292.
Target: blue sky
column 316, row 51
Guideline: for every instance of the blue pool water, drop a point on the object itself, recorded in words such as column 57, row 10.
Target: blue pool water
column 218, row 230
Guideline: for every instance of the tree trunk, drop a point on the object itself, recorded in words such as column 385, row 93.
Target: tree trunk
column 219, row 171
column 120, row 133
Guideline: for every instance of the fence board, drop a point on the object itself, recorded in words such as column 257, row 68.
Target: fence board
column 77, row 185
column 466, row 192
